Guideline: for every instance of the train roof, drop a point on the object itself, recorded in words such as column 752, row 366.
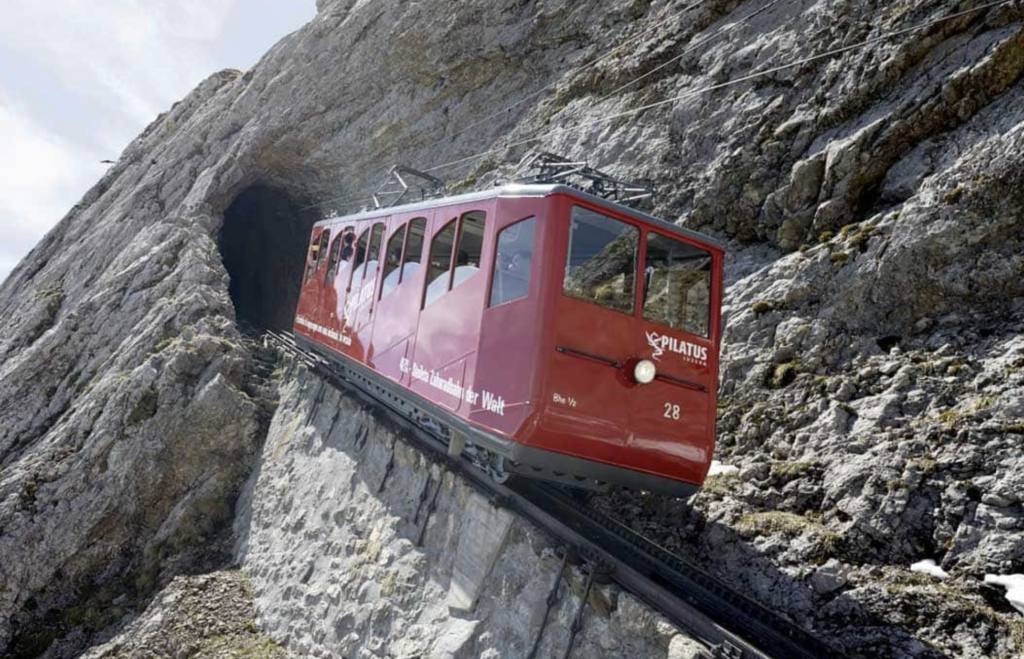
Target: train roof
column 514, row 190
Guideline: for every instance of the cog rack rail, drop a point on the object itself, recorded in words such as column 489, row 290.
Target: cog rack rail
column 731, row 625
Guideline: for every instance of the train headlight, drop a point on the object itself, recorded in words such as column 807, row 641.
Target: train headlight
column 644, row 371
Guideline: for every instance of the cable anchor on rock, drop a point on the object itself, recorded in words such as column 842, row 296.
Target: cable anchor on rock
column 577, row 621
column 549, row 602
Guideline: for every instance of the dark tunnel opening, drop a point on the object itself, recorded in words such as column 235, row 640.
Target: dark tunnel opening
column 263, row 243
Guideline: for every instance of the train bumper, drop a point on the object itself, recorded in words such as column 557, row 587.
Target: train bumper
column 550, row 465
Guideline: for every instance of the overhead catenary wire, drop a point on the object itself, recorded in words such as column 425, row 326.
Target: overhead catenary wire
column 691, row 47
column 577, row 70
column 729, row 83
column 717, row 86
column 597, row 60
column 686, row 51
column 354, row 197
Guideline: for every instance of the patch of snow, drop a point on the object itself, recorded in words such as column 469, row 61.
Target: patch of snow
column 928, row 566
column 719, row 469
column 1014, row 585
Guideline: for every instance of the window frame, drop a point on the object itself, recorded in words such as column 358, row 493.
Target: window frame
column 321, row 250
column 451, row 261
column 334, row 257
column 404, row 229
column 355, row 255
column 494, row 261
column 458, row 221
column 405, row 246
column 458, row 245
column 344, row 231
column 369, row 247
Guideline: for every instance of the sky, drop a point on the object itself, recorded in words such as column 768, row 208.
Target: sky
column 79, row 79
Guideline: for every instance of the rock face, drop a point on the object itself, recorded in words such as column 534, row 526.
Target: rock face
column 873, row 368
column 207, row 617
column 351, row 540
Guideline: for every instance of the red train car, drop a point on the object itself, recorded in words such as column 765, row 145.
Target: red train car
column 548, row 332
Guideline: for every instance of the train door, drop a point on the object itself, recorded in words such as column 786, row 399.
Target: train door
column 511, row 327
column 335, row 282
column 672, row 416
column 398, row 303
column 352, row 281
column 453, row 298
column 364, row 280
column 309, row 298
column 588, row 396
column 315, row 275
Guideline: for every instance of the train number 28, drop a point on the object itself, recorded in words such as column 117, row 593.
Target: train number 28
column 671, row 411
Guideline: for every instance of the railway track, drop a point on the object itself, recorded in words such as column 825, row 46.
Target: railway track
column 731, row 625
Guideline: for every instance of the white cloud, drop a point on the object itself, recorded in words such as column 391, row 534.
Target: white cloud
column 133, row 56
column 79, row 79
column 195, row 19
column 41, row 177
column 130, row 59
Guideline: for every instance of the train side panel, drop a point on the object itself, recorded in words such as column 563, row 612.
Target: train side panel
column 509, row 369
column 396, row 316
column 458, row 258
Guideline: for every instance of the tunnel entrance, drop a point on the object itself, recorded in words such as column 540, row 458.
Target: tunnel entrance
column 263, row 243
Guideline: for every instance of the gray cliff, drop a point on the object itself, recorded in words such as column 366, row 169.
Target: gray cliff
column 872, row 393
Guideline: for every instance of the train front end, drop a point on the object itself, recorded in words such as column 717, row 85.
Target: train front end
column 633, row 336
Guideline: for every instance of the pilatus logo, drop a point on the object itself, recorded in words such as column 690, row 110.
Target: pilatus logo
column 691, row 351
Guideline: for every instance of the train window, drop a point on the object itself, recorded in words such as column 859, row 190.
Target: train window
column 439, row 263
column 314, row 251
column 471, row 246
column 357, row 276
column 393, row 261
column 513, row 262
column 601, row 263
column 335, row 257
column 348, row 237
column 373, row 255
column 413, row 248
column 677, row 284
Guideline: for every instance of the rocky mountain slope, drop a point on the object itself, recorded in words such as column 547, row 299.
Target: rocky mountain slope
column 873, row 371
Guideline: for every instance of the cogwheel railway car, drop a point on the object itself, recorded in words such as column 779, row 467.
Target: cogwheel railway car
column 545, row 331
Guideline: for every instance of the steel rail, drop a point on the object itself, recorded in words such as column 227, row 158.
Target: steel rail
column 730, row 624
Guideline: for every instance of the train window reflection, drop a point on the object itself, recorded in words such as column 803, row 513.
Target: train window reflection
column 317, row 251
column 601, row 263
column 360, row 257
column 332, row 261
column 373, row 254
column 471, row 246
column 348, row 238
column 677, row 284
column 414, row 248
column 393, row 261
column 439, row 264
column 513, row 262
